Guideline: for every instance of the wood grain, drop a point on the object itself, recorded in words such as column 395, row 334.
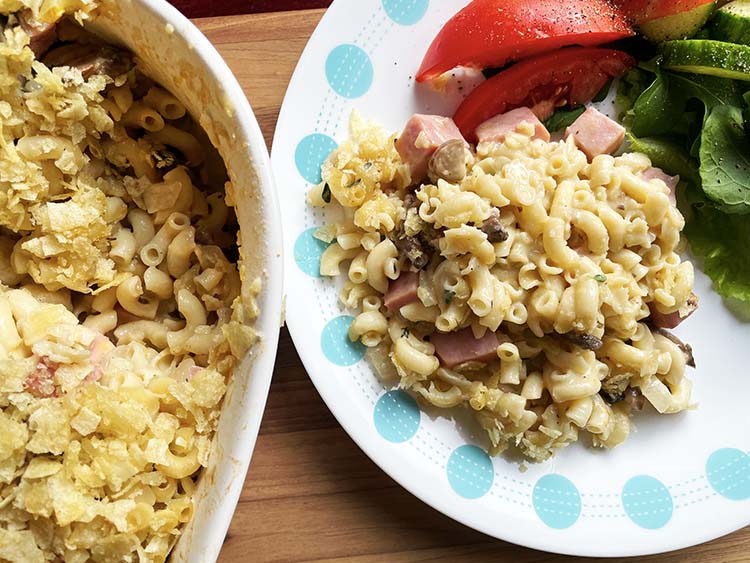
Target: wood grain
column 205, row 8
column 311, row 494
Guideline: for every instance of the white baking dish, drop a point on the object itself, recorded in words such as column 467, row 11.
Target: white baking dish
column 171, row 50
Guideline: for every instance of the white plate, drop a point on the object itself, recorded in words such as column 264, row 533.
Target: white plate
column 678, row 481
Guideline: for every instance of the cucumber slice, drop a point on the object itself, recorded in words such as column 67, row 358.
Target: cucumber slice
column 677, row 26
column 732, row 23
column 706, row 56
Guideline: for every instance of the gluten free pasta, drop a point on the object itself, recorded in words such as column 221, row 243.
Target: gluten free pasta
column 522, row 279
column 121, row 320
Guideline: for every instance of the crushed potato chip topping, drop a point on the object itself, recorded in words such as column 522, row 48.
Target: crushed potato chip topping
column 121, row 320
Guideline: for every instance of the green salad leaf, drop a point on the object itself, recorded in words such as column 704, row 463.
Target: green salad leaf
column 664, row 103
column 725, row 160
column 723, row 242
column 689, row 124
column 711, row 90
column 563, row 118
column 657, row 109
column 631, row 86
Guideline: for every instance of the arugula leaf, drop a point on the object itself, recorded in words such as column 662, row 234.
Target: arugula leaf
column 746, row 112
column 690, row 123
column 657, row 109
column 663, row 103
column 725, row 160
column 449, row 296
column 563, row 118
column 723, row 241
column 669, row 156
column 630, row 87
column 711, row 90
column 650, row 64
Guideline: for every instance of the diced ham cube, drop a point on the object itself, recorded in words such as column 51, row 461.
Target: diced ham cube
column 41, row 35
column 500, row 126
column 68, row 31
column 402, row 291
column 671, row 320
column 595, row 133
column 90, row 59
column 41, row 381
column 459, row 347
column 94, row 375
column 421, row 137
column 671, row 182
column 99, row 348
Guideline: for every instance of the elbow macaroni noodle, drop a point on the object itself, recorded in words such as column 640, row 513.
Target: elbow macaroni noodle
column 121, row 320
column 590, row 247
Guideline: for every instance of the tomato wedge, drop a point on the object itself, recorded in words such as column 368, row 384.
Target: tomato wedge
column 569, row 76
column 641, row 11
column 491, row 33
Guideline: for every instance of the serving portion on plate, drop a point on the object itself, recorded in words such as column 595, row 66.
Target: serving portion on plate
column 532, row 281
column 510, row 277
column 131, row 302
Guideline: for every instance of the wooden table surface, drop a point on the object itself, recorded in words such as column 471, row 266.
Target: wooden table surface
column 311, row 494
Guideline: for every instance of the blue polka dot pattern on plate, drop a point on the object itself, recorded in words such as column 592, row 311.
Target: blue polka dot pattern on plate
column 336, row 344
column 405, row 12
column 349, row 71
column 397, row 416
column 310, row 154
column 728, row 472
column 307, row 252
column 470, row 471
column 557, row 501
column 647, row 502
